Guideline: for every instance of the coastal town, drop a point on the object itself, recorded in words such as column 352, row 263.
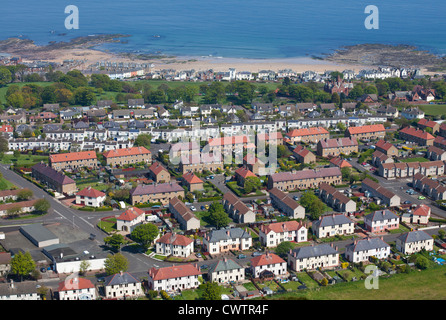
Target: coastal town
column 121, row 181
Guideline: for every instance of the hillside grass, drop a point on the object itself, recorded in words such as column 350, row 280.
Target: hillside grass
column 428, row 284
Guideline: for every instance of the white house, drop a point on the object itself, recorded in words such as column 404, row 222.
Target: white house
column 25, row 290
column 223, row 240
column 226, row 271
column 173, row 278
column 364, row 249
column 76, row 288
column 90, row 197
column 332, row 225
column 122, row 285
column 176, row 245
column 414, row 241
column 275, row 233
column 129, row 219
column 313, row 257
column 268, row 262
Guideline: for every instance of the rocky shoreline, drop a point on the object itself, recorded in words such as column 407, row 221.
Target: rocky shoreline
column 399, row 56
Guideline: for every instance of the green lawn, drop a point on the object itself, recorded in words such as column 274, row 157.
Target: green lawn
column 5, row 184
column 417, row 159
column 307, row 280
column 428, row 284
column 23, row 160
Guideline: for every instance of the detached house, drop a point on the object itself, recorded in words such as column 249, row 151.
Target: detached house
column 90, row 197
column 420, row 215
column 129, row 219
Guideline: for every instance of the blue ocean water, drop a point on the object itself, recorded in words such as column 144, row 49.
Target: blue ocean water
column 232, row 28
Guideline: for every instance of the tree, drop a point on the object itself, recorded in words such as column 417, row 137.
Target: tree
column 218, row 216
column 115, row 241
column 84, row 96
column 115, row 263
column 421, row 262
column 84, row 266
column 5, row 76
column 335, row 98
column 42, row 206
column 143, row 140
column 210, row 291
column 251, row 184
column 441, row 233
column 283, row 248
column 144, row 234
column 14, row 211
column 22, row 264
column 25, row 194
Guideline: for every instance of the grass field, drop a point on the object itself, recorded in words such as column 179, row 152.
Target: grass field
column 5, row 184
column 23, row 160
column 429, row 284
column 433, row 109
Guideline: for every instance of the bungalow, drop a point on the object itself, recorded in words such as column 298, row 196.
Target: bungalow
column 364, row 249
column 174, row 278
column 414, row 241
column 382, row 220
column 25, row 290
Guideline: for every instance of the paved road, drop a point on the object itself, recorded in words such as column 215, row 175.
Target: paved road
column 399, row 187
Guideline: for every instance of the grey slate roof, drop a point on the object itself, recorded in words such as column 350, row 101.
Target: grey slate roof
column 381, row 215
column 223, row 265
column 314, row 251
column 226, row 234
column 414, row 236
column 331, row 220
column 118, row 278
column 38, row 232
column 367, row 244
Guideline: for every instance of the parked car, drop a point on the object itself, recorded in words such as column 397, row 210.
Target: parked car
column 193, row 208
column 256, row 253
column 241, row 256
column 421, row 197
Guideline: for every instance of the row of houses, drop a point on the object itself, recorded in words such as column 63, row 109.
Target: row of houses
column 394, row 170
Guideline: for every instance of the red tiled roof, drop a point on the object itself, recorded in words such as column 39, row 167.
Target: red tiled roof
column 130, row 214
column 382, row 144
column 175, row 239
column 191, row 178
column 417, row 133
column 266, row 259
column 339, row 162
column 125, row 152
column 234, row 140
column 280, row 227
column 75, row 284
column 90, row 192
column 366, row 129
column 307, row 132
column 180, row 271
column 422, row 210
column 157, row 168
column 72, row 156
column 244, row 172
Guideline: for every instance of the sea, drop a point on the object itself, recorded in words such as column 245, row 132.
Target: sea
column 256, row 29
